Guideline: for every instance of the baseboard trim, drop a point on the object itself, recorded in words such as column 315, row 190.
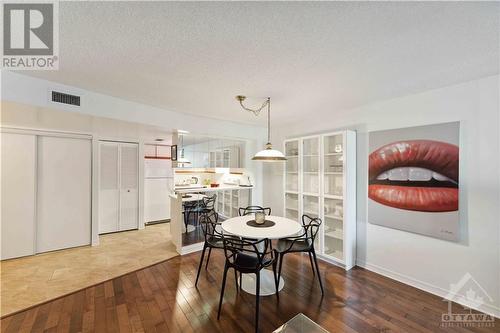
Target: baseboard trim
column 191, row 248
column 438, row 291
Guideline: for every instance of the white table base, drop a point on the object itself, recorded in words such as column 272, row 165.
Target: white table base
column 267, row 284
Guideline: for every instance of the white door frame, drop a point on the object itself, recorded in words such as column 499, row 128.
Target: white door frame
column 96, row 180
column 37, row 132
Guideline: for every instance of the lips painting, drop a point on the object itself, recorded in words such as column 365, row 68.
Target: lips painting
column 417, row 175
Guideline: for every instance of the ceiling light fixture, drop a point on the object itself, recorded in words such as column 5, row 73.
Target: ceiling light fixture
column 269, row 154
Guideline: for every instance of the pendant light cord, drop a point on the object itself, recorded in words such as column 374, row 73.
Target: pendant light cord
column 269, row 120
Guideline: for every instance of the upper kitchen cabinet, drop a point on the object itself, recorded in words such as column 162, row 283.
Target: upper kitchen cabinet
column 207, row 152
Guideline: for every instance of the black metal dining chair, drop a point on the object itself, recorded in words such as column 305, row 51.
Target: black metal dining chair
column 248, row 257
column 302, row 243
column 205, row 206
column 242, row 211
column 213, row 237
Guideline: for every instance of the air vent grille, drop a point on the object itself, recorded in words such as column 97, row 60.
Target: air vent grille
column 60, row 97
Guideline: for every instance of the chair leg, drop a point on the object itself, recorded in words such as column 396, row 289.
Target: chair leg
column 208, row 257
column 281, row 263
column 185, row 221
column 241, row 274
column 201, row 263
column 222, row 290
column 276, row 281
column 317, row 270
column 311, row 261
column 236, row 279
column 257, row 299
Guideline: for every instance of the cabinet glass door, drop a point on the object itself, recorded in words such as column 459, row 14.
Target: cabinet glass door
column 310, row 207
column 292, row 206
column 333, row 186
column 235, row 203
column 333, row 228
column 227, row 203
column 292, row 166
column 310, row 162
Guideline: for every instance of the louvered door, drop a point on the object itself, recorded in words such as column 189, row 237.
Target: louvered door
column 109, row 187
column 129, row 194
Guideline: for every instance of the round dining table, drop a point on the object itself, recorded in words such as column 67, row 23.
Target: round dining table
column 283, row 227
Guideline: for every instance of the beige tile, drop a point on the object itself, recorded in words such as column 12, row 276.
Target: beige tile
column 35, row 279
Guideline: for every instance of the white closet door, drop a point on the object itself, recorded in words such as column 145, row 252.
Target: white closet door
column 63, row 193
column 129, row 186
column 109, row 189
column 18, row 194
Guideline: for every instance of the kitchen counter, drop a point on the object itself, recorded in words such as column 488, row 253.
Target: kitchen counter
column 212, row 189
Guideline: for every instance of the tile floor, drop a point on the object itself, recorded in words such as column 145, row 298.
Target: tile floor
column 31, row 280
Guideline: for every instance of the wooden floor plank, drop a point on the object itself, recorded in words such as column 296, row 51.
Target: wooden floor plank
column 163, row 298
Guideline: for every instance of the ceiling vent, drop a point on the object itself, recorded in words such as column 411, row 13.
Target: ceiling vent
column 59, row 97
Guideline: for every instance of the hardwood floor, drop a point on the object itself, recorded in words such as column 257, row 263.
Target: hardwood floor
column 32, row 280
column 162, row 298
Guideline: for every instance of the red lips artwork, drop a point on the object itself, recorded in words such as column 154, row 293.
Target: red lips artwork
column 417, row 175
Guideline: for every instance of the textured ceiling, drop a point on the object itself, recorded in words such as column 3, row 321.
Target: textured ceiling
column 310, row 57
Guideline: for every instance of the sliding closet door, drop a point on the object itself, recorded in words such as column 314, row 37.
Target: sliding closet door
column 63, row 193
column 129, row 194
column 109, row 184
column 18, row 194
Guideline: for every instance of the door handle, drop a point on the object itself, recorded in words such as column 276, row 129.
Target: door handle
column 128, row 191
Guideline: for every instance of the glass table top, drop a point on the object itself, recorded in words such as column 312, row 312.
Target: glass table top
column 300, row 324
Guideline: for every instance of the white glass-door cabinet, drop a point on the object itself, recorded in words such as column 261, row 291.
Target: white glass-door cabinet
column 320, row 180
column 228, row 202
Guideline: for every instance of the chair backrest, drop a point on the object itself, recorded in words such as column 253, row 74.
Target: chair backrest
column 311, row 226
column 209, row 201
column 242, row 211
column 209, row 223
column 235, row 245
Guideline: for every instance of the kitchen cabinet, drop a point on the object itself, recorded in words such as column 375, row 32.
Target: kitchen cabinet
column 228, row 202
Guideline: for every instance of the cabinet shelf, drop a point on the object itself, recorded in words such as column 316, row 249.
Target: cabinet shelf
column 337, row 234
column 333, row 196
column 333, row 217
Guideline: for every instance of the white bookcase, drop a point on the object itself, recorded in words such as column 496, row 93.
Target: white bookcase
column 228, row 202
column 320, row 181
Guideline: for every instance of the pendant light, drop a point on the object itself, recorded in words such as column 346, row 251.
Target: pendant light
column 269, row 154
column 182, row 159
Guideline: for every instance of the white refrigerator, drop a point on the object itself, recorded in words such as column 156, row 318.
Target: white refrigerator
column 158, row 184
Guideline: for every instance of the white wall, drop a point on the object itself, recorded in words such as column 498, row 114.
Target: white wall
column 35, row 92
column 425, row 262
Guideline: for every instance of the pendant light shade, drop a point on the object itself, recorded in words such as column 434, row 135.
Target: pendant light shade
column 269, row 154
